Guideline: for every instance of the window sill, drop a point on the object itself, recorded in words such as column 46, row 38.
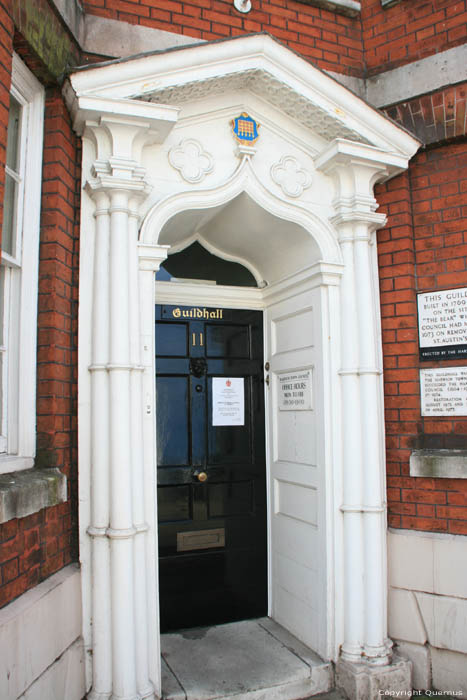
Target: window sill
column 25, row 492
column 13, row 463
column 439, row 464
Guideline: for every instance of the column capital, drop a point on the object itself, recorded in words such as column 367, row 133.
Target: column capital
column 119, row 129
column 355, row 169
column 91, row 113
column 151, row 256
column 115, row 176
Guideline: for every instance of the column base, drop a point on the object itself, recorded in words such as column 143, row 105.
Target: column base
column 364, row 682
column 94, row 695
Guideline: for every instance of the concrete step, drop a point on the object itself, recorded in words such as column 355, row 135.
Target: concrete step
column 248, row 660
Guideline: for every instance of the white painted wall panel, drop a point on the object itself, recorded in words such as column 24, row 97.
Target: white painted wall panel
column 292, row 332
column 294, row 613
column 297, row 475
column 296, row 539
column 299, row 580
column 296, row 437
column 295, row 501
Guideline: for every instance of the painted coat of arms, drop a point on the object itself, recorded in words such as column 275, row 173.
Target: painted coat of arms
column 245, row 128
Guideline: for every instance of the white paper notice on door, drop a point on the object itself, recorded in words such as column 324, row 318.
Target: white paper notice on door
column 228, row 401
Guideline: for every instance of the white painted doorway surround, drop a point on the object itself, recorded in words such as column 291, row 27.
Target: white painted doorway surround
column 161, row 169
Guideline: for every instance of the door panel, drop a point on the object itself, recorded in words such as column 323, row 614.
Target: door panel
column 173, row 410
column 227, row 341
column 212, row 534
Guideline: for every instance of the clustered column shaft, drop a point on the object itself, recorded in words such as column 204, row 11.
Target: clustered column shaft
column 118, row 528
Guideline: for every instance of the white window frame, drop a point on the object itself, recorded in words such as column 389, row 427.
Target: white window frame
column 23, row 273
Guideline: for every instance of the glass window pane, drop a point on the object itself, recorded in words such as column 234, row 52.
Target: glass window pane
column 14, row 123
column 9, row 215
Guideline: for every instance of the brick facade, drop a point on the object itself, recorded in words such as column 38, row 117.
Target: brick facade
column 33, row 548
column 331, row 41
column 424, row 248
column 397, row 35
column 437, row 117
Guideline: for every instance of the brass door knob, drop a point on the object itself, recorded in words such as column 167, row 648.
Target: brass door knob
column 201, row 476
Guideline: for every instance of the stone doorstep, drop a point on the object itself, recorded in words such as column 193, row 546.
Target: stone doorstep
column 248, row 660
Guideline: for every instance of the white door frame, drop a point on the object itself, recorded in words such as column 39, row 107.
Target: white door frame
column 318, row 275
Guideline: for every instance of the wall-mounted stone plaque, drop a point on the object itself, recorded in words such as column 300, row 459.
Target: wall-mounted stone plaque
column 444, row 391
column 295, row 390
column 442, row 324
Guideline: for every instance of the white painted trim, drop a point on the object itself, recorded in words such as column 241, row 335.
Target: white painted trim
column 215, row 295
column 13, row 463
column 23, row 432
column 350, row 401
column 243, row 179
column 160, row 119
column 144, row 75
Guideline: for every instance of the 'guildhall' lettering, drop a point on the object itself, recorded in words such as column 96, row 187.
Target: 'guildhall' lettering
column 197, row 313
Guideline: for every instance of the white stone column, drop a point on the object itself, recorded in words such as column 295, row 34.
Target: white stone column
column 355, row 168
column 150, row 258
column 123, row 563
column 97, row 530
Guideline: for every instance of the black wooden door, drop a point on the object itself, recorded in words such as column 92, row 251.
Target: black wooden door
column 211, row 477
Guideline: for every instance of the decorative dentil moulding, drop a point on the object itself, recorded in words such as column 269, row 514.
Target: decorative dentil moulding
column 191, row 160
column 290, row 176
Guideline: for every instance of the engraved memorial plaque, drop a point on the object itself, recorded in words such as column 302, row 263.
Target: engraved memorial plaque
column 444, row 391
column 442, row 324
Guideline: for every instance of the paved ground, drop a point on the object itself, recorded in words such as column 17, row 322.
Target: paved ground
column 337, row 695
column 333, row 695
column 249, row 660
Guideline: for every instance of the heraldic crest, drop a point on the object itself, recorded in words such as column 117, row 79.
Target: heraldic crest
column 245, row 128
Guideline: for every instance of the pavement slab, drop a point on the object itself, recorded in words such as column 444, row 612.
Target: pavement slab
column 248, row 660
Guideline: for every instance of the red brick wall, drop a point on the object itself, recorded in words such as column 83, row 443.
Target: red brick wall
column 409, row 31
column 331, row 41
column 436, row 117
column 424, row 248
column 33, row 548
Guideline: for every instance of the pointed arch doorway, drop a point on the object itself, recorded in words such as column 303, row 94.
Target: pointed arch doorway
column 308, row 191
column 284, row 297
column 211, row 460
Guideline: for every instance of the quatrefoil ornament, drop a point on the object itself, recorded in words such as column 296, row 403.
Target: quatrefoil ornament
column 290, row 176
column 191, row 160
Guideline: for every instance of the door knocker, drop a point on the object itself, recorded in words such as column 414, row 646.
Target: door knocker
column 198, row 366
